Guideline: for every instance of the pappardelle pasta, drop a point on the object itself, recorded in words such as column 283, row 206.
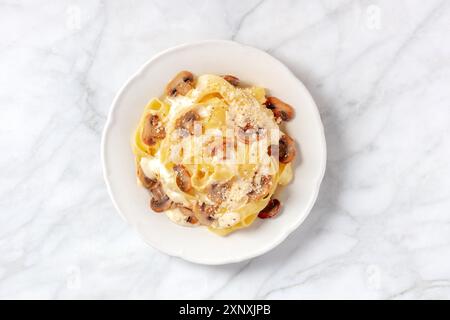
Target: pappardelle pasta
column 211, row 152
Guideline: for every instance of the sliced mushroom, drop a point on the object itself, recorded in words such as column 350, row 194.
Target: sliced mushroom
column 181, row 84
column 279, row 108
column 217, row 191
column 286, row 149
column 271, row 210
column 147, row 182
column 204, row 212
column 231, row 79
column 183, row 178
column 186, row 123
column 160, row 204
column 260, row 188
column 250, row 133
column 152, row 130
column 160, row 201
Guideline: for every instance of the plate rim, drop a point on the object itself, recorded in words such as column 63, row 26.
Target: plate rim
column 110, row 121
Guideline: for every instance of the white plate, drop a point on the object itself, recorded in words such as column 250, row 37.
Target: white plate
column 198, row 244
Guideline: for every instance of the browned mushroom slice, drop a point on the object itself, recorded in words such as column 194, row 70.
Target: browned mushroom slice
column 286, row 149
column 279, row 108
column 152, row 130
column 231, row 79
column 271, row 210
column 160, row 201
column 260, row 188
column 160, row 204
column 250, row 133
column 204, row 213
column 217, row 191
column 186, row 123
column 146, row 181
column 183, row 178
column 181, row 84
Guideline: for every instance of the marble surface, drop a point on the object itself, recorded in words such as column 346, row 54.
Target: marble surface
column 380, row 73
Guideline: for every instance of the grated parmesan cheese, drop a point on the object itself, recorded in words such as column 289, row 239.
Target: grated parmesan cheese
column 236, row 196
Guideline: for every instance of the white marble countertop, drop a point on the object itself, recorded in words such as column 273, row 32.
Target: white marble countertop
column 380, row 73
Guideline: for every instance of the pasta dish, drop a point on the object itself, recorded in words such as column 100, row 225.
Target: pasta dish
column 211, row 152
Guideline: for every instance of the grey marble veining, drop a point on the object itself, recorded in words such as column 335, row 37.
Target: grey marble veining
column 380, row 73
